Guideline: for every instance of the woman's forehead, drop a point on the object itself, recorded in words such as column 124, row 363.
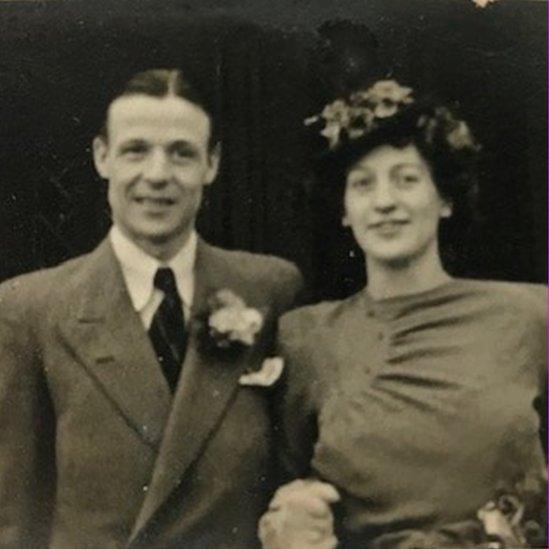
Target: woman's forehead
column 389, row 155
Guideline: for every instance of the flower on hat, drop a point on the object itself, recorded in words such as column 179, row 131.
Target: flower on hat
column 456, row 132
column 358, row 114
column 385, row 97
column 482, row 3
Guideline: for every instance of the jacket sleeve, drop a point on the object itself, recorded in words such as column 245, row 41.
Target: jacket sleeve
column 292, row 289
column 295, row 415
column 26, row 439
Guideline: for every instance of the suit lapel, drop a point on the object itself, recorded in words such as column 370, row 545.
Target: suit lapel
column 114, row 348
column 207, row 385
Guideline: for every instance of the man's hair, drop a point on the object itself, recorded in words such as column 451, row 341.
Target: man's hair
column 165, row 83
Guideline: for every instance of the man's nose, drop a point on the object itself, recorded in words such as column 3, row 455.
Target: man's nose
column 384, row 198
column 157, row 169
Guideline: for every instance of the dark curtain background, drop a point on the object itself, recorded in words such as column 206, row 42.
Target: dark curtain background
column 267, row 67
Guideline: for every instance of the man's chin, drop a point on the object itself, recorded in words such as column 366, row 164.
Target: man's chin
column 160, row 237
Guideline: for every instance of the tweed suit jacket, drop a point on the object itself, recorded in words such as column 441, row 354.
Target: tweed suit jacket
column 94, row 449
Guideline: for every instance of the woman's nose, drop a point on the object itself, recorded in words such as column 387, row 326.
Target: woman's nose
column 383, row 197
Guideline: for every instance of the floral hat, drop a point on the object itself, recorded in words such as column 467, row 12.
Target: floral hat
column 365, row 110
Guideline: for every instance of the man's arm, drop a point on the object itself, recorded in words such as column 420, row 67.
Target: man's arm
column 299, row 514
column 292, row 288
column 26, row 439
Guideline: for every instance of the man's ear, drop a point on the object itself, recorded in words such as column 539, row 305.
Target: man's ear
column 446, row 210
column 100, row 154
column 214, row 158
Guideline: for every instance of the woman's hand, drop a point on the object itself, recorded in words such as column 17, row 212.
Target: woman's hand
column 300, row 517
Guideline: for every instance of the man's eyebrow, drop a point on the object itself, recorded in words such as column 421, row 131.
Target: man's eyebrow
column 132, row 141
column 182, row 144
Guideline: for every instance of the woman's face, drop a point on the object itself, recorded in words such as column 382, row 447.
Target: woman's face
column 392, row 205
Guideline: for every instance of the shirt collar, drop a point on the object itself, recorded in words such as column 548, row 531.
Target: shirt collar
column 139, row 268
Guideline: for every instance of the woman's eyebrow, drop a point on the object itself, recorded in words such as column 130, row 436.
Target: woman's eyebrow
column 404, row 165
column 361, row 169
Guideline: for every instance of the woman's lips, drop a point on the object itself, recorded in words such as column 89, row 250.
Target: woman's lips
column 388, row 228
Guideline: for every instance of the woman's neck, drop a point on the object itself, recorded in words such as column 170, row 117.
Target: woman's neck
column 416, row 275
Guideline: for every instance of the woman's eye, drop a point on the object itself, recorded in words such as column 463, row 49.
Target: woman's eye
column 408, row 178
column 361, row 183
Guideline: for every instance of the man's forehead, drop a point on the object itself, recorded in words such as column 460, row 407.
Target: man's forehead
column 169, row 113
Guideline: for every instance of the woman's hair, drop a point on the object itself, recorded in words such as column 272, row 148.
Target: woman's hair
column 387, row 114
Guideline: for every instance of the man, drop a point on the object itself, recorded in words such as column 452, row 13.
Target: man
column 125, row 419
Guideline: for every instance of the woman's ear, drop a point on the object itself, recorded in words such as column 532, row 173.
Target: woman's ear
column 345, row 221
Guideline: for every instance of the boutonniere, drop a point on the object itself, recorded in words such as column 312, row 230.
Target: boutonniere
column 269, row 373
column 230, row 322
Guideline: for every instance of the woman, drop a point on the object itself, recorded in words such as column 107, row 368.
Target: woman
column 413, row 399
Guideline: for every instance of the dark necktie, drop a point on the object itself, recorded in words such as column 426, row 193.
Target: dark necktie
column 167, row 331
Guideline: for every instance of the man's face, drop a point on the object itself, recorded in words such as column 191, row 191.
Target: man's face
column 157, row 161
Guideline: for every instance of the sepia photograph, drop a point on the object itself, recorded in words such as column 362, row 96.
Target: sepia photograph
column 273, row 274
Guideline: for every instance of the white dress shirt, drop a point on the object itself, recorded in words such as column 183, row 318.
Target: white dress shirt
column 139, row 268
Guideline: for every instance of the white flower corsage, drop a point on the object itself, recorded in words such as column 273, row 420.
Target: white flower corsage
column 231, row 322
column 268, row 375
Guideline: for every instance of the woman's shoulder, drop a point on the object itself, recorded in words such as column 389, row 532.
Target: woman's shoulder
column 523, row 297
column 504, row 286
column 318, row 315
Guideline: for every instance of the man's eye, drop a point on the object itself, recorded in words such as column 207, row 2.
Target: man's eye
column 134, row 150
column 180, row 153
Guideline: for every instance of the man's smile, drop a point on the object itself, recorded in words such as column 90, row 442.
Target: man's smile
column 157, row 201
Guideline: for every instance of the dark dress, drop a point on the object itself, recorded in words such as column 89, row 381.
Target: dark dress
column 420, row 409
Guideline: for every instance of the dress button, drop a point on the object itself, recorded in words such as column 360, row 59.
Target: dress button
column 370, row 313
column 380, row 336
